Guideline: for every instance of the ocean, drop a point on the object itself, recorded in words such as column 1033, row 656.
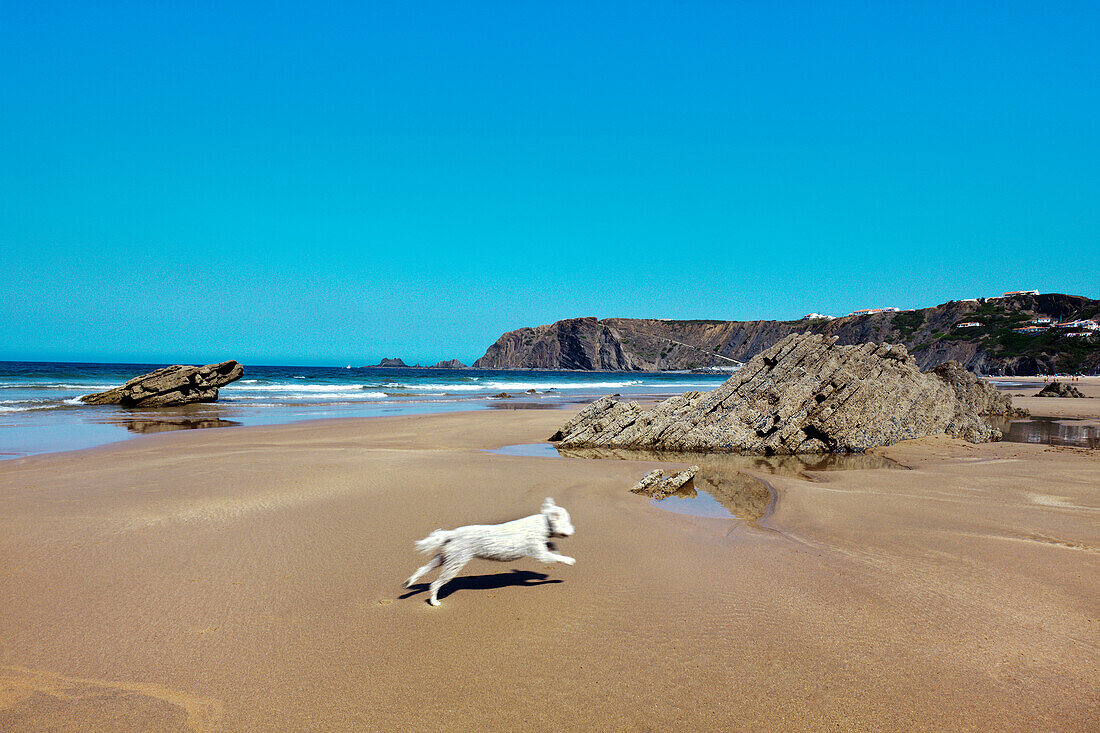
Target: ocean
column 40, row 411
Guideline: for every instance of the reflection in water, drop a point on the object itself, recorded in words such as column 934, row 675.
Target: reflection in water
column 162, row 419
column 528, row 450
column 721, row 488
column 1051, row 431
column 155, row 425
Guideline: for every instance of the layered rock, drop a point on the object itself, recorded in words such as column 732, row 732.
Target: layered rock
column 658, row 484
column 977, row 397
column 1060, row 389
column 805, row 394
column 173, row 385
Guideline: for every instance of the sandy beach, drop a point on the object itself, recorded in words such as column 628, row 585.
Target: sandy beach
column 249, row 579
column 1024, row 397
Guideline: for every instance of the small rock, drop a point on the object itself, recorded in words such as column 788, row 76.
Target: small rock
column 659, row 485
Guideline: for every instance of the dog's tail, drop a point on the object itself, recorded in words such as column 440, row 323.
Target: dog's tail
column 434, row 541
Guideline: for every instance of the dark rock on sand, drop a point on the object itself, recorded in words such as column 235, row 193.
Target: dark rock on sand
column 170, row 386
column 805, row 394
column 1060, row 389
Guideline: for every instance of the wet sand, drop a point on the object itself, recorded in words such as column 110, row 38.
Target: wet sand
column 249, row 579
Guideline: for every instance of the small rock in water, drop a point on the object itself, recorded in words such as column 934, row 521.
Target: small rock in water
column 501, row 396
column 659, row 485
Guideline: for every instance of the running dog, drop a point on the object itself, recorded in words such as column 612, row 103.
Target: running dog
column 527, row 537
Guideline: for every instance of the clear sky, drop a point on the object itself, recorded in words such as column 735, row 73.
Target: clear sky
column 325, row 183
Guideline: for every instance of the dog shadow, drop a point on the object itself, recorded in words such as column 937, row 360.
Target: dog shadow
column 484, row 582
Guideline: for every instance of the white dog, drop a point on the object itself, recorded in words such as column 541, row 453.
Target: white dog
column 527, row 537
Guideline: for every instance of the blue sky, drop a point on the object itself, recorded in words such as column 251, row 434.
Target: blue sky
column 324, row 183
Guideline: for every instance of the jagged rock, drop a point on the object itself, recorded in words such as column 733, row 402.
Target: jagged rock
column 170, row 386
column 805, row 394
column 1060, row 389
column 450, row 364
column 977, row 396
column 397, row 363
column 658, row 484
column 501, row 396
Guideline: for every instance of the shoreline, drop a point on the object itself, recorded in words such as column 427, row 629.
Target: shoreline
column 31, row 423
column 250, row 580
column 1055, row 407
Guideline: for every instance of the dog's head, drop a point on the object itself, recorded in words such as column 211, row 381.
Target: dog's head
column 557, row 518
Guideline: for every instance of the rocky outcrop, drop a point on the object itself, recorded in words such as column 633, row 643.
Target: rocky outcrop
column 575, row 343
column 1060, row 389
column 658, row 484
column 975, row 396
column 805, row 394
column 170, row 386
column 395, row 363
column 929, row 334
column 450, row 364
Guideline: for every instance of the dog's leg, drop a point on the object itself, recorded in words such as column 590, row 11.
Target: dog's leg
column 451, row 567
column 434, row 563
column 545, row 555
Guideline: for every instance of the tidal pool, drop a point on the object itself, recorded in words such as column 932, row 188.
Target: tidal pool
column 1052, row 431
column 721, row 488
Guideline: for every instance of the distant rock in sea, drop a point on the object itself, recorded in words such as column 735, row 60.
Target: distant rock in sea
column 805, row 394
column 450, row 364
column 397, row 363
column 171, row 386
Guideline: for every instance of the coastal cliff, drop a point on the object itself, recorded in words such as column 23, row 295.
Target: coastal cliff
column 931, row 335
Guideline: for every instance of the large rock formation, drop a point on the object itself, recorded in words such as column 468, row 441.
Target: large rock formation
column 450, row 364
column 805, row 394
column 170, row 386
column 929, row 334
